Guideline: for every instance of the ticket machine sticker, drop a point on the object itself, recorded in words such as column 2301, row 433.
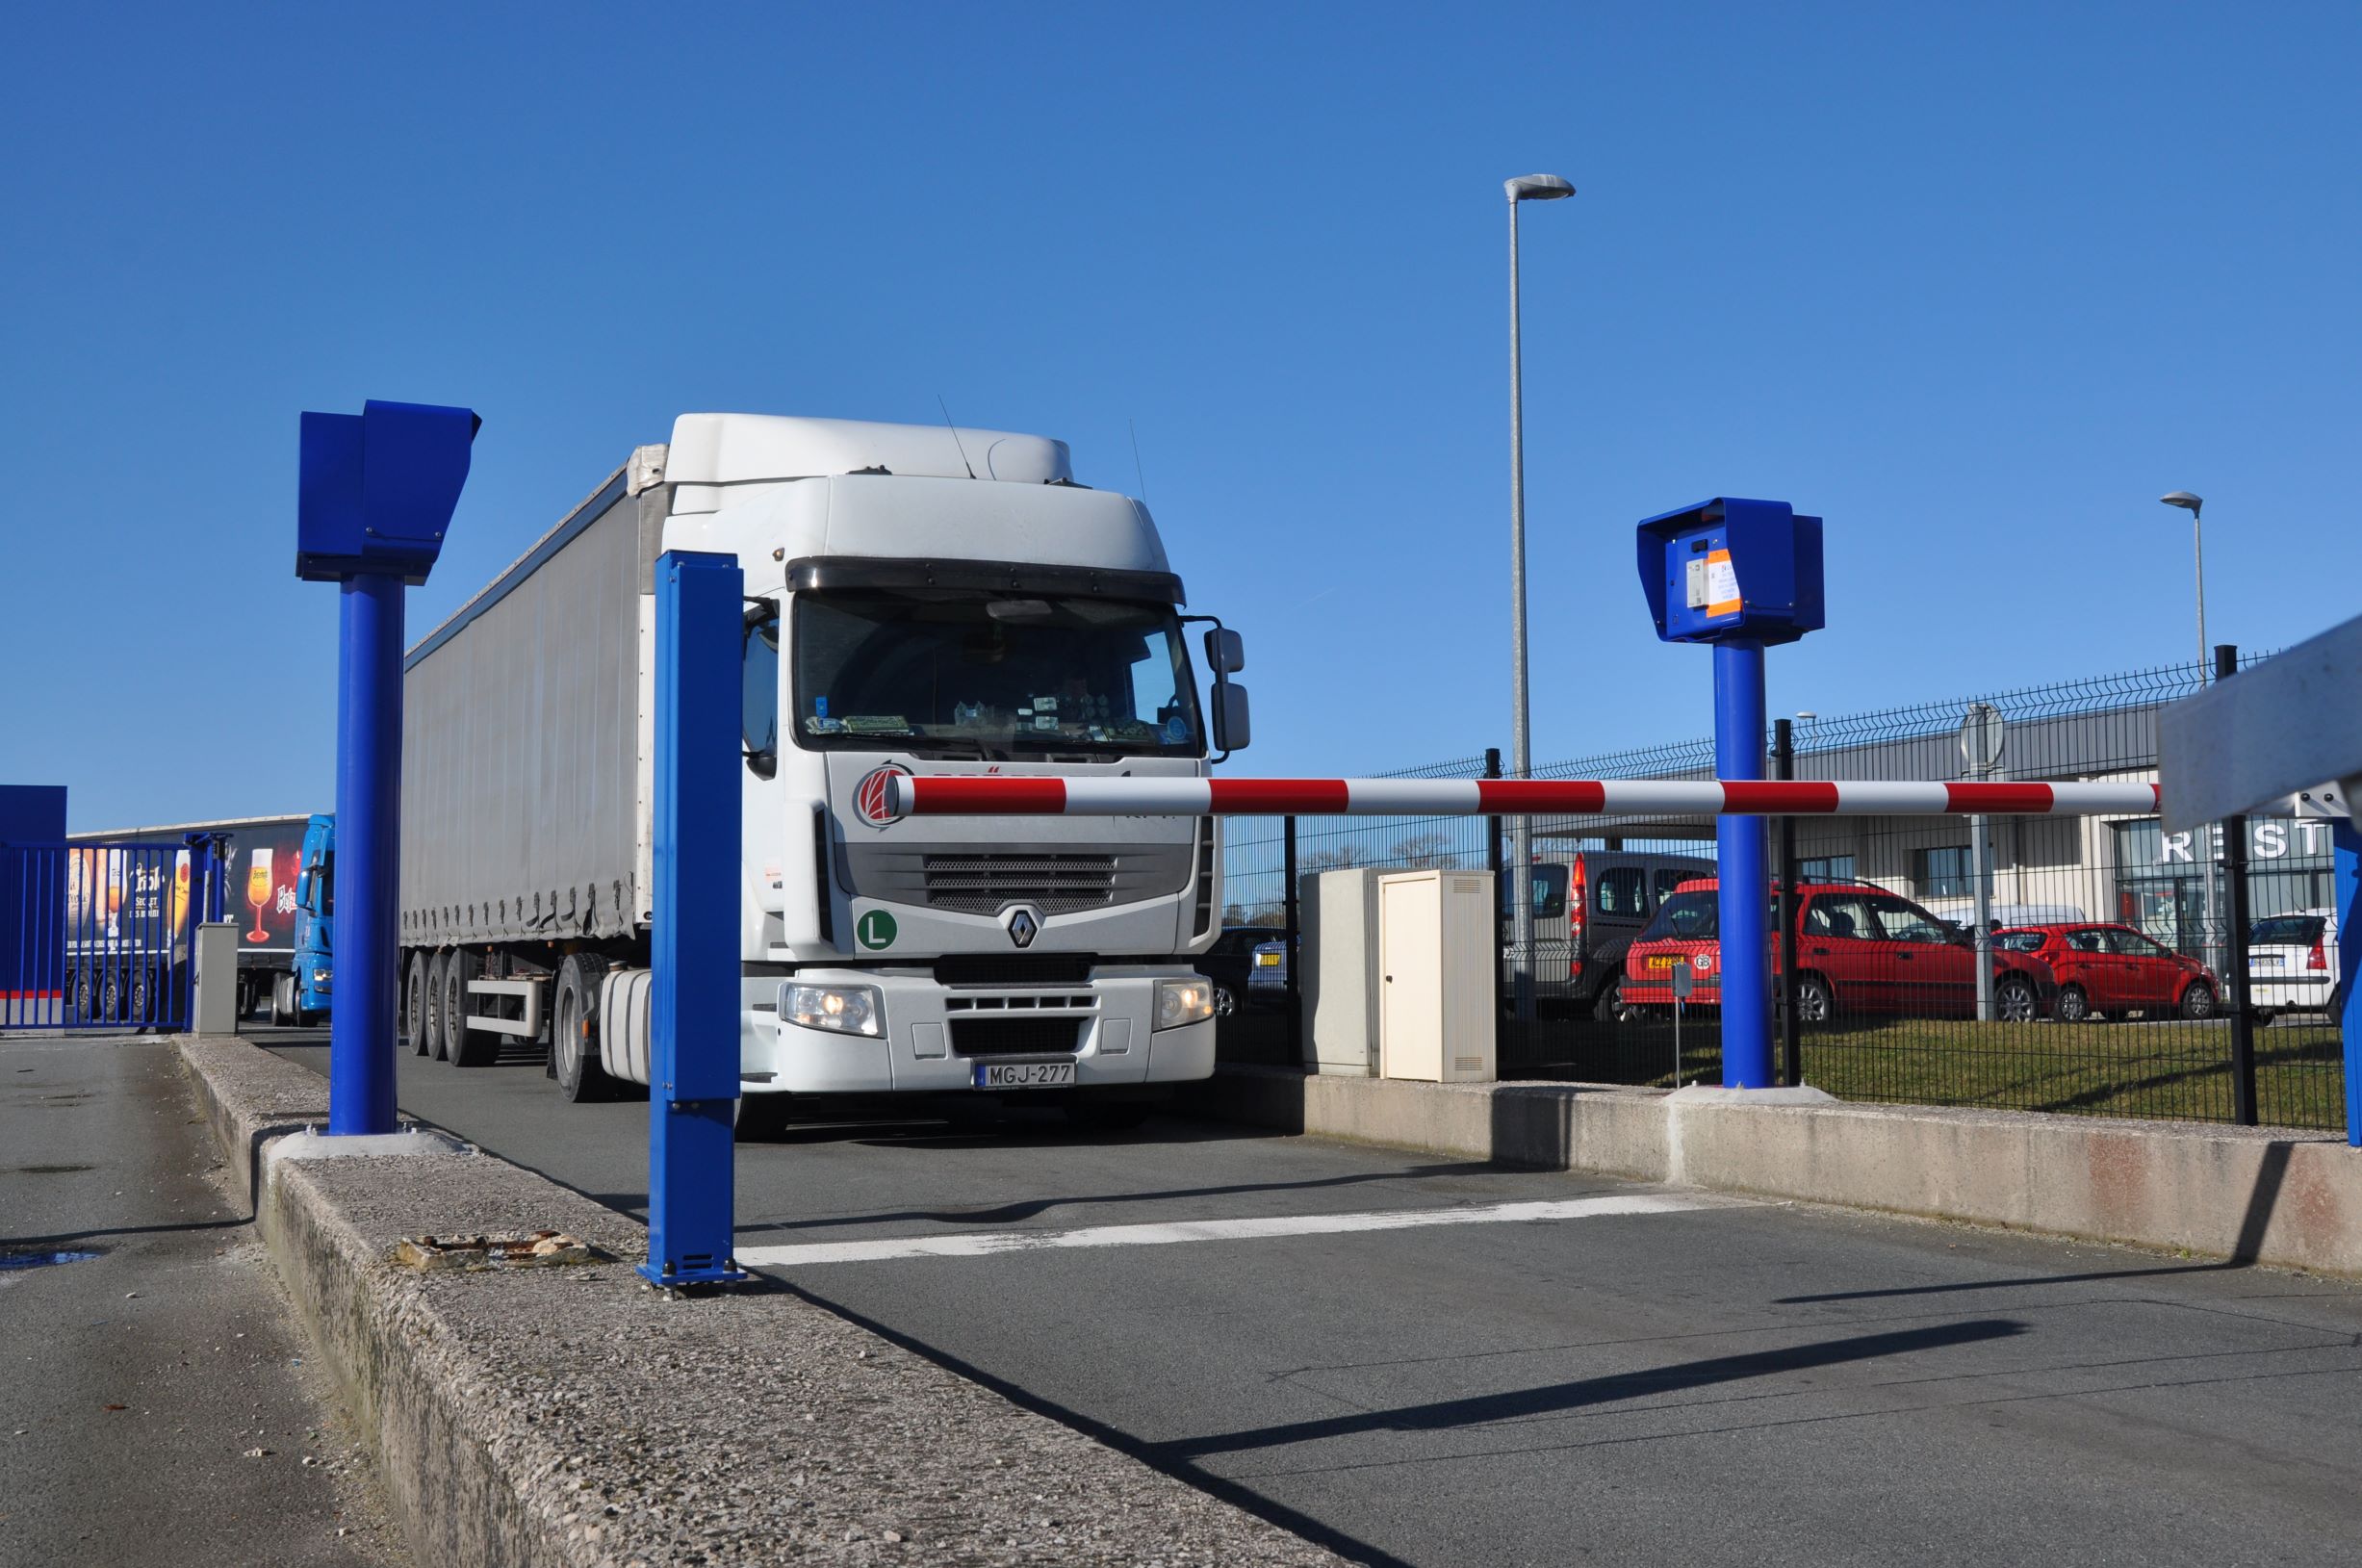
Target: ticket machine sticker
column 1722, row 596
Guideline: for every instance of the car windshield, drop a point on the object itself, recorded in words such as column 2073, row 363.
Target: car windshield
column 955, row 673
column 1692, row 916
column 2287, row 931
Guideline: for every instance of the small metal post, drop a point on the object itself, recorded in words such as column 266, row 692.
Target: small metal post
column 1741, row 902
column 2233, row 975
column 1791, row 1043
column 2347, row 997
column 368, row 833
column 1293, row 997
column 693, row 1020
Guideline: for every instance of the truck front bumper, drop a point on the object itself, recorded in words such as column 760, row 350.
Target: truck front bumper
column 932, row 1036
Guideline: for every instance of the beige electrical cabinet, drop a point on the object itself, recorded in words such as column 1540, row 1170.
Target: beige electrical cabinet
column 1436, row 956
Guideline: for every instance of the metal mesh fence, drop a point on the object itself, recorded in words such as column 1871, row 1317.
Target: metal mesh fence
column 2111, row 958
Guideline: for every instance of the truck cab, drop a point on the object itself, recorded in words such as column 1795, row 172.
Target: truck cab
column 931, row 601
column 312, row 979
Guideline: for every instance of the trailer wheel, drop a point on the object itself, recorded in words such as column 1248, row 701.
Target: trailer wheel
column 437, row 1046
column 110, row 996
column 574, row 1030
column 467, row 1047
column 414, row 1003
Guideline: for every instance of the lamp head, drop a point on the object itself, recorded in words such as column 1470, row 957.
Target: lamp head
column 2183, row 499
column 1538, row 188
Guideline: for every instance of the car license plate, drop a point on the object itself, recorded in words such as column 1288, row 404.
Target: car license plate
column 2268, row 961
column 1267, row 961
column 1660, row 962
column 1024, row 1074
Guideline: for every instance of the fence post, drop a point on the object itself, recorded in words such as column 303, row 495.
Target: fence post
column 1292, row 998
column 2234, row 975
column 1791, row 1045
column 1500, row 889
column 2347, row 997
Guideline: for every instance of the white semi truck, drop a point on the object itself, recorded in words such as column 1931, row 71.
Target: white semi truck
column 921, row 599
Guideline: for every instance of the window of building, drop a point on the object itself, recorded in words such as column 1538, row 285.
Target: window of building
column 1825, row 868
column 1947, row 873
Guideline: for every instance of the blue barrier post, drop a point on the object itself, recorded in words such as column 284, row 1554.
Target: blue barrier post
column 1738, row 575
column 1744, row 893
column 2347, row 839
column 375, row 497
column 693, row 1079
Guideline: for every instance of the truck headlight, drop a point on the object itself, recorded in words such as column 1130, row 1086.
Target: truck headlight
column 320, row 977
column 1183, row 1001
column 848, row 1010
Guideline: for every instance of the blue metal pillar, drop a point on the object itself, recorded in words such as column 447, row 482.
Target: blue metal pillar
column 694, row 1009
column 1745, row 892
column 368, row 742
column 2347, row 839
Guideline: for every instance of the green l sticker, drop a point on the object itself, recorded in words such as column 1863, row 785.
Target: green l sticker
column 875, row 929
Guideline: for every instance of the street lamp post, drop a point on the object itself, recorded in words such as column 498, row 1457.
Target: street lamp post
column 2197, row 547
column 1524, row 188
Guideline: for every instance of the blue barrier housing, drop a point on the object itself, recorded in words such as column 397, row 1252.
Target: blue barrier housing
column 377, row 489
column 1731, row 567
column 693, row 1018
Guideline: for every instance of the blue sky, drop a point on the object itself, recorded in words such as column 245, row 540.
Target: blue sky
column 1976, row 284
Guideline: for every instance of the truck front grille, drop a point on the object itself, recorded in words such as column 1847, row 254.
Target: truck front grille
column 1017, row 1037
column 987, row 883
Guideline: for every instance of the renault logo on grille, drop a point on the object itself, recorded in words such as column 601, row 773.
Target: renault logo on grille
column 1023, row 924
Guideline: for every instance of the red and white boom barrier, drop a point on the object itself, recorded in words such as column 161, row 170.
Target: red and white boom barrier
column 972, row 795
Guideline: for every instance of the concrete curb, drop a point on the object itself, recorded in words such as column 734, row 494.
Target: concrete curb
column 2252, row 1194
column 564, row 1418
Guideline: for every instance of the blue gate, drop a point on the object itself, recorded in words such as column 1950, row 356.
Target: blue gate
column 96, row 935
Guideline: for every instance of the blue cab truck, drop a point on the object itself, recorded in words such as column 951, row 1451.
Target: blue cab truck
column 301, row 996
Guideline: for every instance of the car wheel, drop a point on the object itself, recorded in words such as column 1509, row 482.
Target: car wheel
column 574, row 1030
column 1608, row 1008
column 2013, row 999
column 1226, row 1003
column 1813, row 1002
column 2198, row 1001
column 2073, row 1006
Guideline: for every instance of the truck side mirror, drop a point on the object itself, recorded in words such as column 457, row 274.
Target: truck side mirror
column 1231, row 728
column 1226, row 652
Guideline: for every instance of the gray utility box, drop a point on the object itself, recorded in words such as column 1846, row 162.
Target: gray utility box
column 1340, row 983
column 213, row 1009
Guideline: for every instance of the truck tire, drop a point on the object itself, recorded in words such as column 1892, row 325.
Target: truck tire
column 466, row 1046
column 282, row 1000
column 435, row 1043
column 413, row 1002
column 574, row 1030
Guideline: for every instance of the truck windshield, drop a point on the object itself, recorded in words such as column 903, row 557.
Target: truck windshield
column 966, row 673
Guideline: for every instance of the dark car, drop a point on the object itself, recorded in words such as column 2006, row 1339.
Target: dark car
column 2106, row 969
column 1858, row 949
column 1227, row 961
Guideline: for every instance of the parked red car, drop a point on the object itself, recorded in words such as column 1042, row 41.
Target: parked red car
column 2114, row 968
column 1859, row 949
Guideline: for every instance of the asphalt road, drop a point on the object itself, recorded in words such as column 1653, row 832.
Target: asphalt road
column 1740, row 1383
column 145, row 1349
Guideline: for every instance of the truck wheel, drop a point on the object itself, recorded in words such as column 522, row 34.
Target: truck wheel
column 414, row 1003
column 436, row 1046
column 282, row 1000
column 110, row 997
column 574, row 1030
column 467, row 1047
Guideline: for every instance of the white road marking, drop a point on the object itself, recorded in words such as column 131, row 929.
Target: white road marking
column 984, row 1243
